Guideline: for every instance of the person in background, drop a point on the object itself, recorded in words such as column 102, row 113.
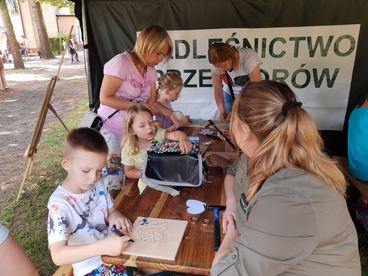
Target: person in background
column 72, row 51
column 5, row 56
column 13, row 260
column 81, row 211
column 232, row 68
column 358, row 157
column 5, row 86
column 23, row 45
column 285, row 208
column 130, row 78
column 140, row 130
column 169, row 87
column 64, row 44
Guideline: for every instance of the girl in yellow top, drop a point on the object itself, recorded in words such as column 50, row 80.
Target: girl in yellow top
column 139, row 131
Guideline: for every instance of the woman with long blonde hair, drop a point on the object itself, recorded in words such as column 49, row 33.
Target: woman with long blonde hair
column 286, row 213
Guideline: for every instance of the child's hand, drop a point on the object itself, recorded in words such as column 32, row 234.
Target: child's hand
column 121, row 222
column 185, row 144
column 178, row 120
column 114, row 245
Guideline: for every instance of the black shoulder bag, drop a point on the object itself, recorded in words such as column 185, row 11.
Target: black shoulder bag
column 92, row 120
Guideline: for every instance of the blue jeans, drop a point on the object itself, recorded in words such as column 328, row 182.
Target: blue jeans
column 228, row 102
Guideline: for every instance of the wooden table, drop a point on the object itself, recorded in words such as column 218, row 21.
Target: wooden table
column 196, row 251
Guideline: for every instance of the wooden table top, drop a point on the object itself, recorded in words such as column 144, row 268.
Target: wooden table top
column 196, row 250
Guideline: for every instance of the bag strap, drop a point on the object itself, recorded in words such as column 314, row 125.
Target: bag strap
column 230, row 85
column 112, row 114
column 161, row 188
column 97, row 105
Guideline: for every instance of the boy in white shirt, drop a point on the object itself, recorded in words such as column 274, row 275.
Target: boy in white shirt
column 81, row 212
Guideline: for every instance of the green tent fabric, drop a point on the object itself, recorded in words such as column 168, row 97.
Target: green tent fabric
column 112, row 26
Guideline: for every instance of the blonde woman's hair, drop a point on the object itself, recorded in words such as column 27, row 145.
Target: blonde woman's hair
column 130, row 141
column 149, row 40
column 221, row 52
column 170, row 80
column 290, row 140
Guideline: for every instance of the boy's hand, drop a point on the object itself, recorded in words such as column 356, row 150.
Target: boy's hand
column 122, row 223
column 114, row 245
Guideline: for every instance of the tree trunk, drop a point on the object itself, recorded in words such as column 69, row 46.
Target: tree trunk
column 41, row 29
column 13, row 43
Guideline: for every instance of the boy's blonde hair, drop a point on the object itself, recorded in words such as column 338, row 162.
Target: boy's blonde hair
column 221, row 52
column 87, row 139
column 149, row 40
column 290, row 140
column 170, row 80
column 130, row 141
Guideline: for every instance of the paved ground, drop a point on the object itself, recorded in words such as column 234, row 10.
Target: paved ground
column 19, row 110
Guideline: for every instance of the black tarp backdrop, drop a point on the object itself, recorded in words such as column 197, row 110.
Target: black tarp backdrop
column 112, row 26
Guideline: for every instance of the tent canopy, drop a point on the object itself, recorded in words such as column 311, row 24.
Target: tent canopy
column 333, row 30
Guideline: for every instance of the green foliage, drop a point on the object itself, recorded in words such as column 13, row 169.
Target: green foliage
column 56, row 44
column 59, row 3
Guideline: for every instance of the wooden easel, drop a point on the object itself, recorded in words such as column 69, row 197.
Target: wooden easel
column 46, row 105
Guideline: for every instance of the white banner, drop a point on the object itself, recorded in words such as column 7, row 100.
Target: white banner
column 316, row 62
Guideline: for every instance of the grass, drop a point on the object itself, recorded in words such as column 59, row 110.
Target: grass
column 27, row 219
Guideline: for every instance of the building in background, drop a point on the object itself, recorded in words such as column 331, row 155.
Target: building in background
column 64, row 20
column 57, row 21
